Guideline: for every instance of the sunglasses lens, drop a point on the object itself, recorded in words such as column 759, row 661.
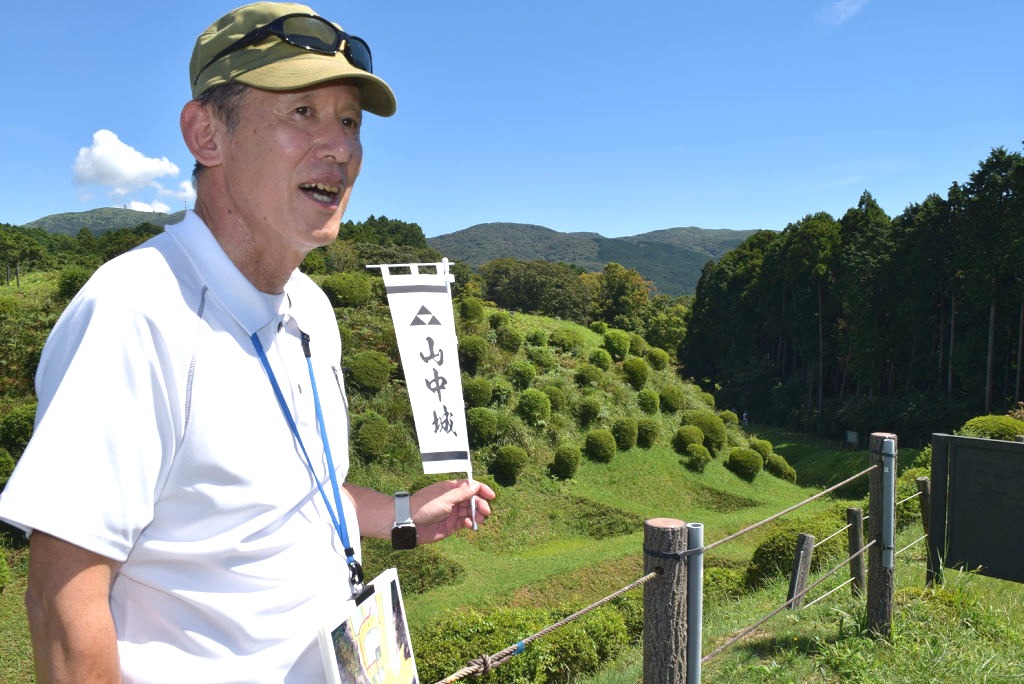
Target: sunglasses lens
column 312, row 33
column 358, row 53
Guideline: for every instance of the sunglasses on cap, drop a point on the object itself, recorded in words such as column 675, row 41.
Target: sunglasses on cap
column 308, row 32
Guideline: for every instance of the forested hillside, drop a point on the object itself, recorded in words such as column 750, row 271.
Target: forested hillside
column 100, row 221
column 868, row 322
column 671, row 259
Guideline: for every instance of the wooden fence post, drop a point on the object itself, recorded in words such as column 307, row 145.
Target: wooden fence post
column 881, row 571
column 801, row 568
column 664, row 635
column 924, row 491
column 855, row 535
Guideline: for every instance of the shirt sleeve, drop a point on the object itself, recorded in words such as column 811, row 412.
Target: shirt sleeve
column 105, row 426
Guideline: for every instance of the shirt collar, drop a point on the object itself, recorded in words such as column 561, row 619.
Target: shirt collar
column 252, row 309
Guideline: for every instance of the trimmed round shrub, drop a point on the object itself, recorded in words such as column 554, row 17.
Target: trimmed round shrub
column 673, row 398
column 761, row 446
column 588, row 375
column 744, row 463
column 631, row 606
column 7, row 464
column 557, row 396
column 567, row 339
column 369, row 370
column 658, row 358
column 636, row 371
column 637, row 344
column 774, row 556
column 16, row 427
column 498, row 319
column 537, row 337
column 647, row 430
column 446, row 644
column 648, row 401
column 780, row 468
column 567, row 460
column 422, row 568
column 909, row 513
column 729, row 417
column 483, row 427
column 520, row 373
column 477, row 391
column 708, row 399
column 617, row 343
column 70, row 281
column 600, row 445
column 370, row 436
column 534, row 407
column 598, row 326
column 508, row 338
column 722, row 583
column 685, row 436
column 509, row 460
column 600, row 358
column 348, row 289
column 501, row 391
column 697, row 458
column 597, row 638
column 471, row 309
column 993, row 427
column 710, row 424
column 588, row 411
column 625, row 433
column 474, row 351
column 542, row 357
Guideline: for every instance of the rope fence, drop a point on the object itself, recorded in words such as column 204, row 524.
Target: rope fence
column 916, row 541
column 751, row 628
column 484, row 664
column 912, row 496
column 832, row 536
column 792, row 508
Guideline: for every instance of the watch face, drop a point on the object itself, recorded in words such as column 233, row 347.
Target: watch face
column 403, row 537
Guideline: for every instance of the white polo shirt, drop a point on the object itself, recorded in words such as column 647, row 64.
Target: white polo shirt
column 159, row 443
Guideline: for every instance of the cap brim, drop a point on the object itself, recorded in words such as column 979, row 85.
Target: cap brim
column 309, row 69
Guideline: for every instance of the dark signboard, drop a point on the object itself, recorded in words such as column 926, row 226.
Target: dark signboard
column 977, row 506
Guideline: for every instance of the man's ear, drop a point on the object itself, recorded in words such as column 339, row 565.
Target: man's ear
column 201, row 132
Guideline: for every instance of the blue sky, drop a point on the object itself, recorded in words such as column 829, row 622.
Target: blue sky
column 612, row 117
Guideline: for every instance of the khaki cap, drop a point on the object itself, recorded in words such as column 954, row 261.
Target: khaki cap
column 273, row 64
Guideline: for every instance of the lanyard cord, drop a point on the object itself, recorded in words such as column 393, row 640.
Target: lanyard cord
column 338, row 518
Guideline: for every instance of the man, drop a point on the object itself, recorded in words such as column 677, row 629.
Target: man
column 181, row 488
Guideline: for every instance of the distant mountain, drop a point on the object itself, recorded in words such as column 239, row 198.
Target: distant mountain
column 671, row 259
column 100, row 221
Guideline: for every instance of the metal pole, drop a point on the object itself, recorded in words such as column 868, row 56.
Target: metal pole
column 882, row 501
column 888, row 501
column 694, row 601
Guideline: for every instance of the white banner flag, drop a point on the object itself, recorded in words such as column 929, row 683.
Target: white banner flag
column 420, row 299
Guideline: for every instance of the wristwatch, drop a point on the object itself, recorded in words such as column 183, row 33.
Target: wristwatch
column 403, row 534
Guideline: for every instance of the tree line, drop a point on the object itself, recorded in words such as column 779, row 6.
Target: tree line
column 868, row 322
column 617, row 296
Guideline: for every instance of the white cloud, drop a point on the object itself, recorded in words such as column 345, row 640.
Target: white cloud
column 156, row 206
column 185, row 192
column 120, row 167
column 842, row 11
